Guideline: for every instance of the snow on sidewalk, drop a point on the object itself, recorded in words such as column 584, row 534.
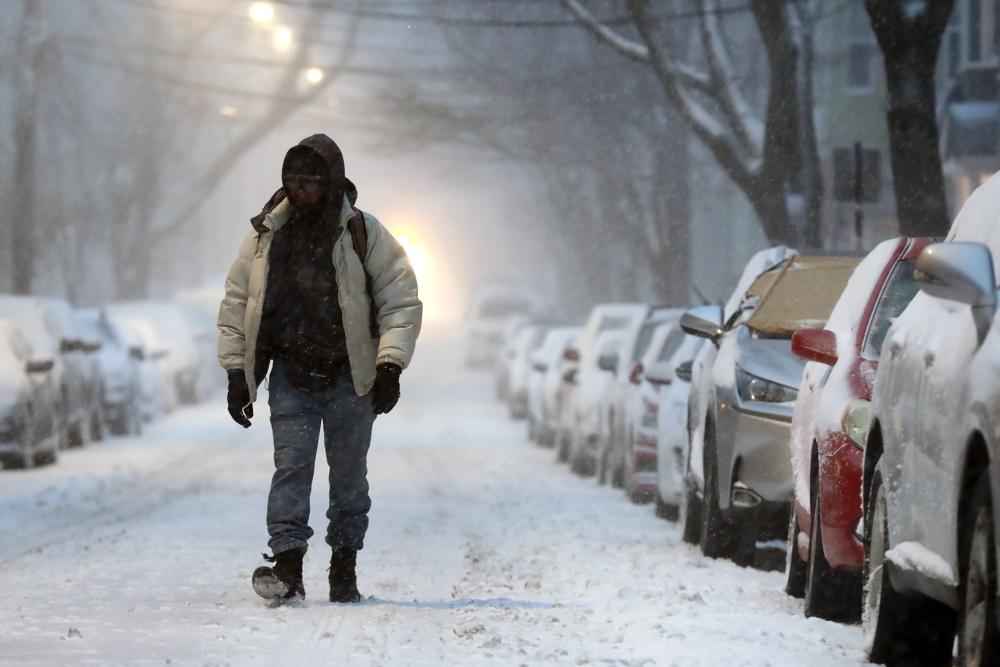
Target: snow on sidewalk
column 481, row 550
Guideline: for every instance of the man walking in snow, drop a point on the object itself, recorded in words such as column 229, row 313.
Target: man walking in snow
column 326, row 293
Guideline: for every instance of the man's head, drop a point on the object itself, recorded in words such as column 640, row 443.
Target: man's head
column 313, row 173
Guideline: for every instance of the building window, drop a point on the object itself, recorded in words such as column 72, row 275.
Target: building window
column 981, row 31
column 860, row 50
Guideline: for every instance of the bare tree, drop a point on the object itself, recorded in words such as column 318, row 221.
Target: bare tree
column 772, row 157
column 31, row 43
column 909, row 34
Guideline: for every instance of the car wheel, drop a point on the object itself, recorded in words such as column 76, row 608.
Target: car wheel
column 667, row 511
column 795, row 567
column 96, row 427
column 978, row 637
column 562, row 446
column 692, row 509
column 75, row 435
column 897, row 629
column 831, row 595
column 717, row 539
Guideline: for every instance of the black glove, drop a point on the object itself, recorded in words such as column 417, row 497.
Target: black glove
column 238, row 398
column 385, row 393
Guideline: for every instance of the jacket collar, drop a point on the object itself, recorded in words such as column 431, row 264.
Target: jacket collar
column 279, row 215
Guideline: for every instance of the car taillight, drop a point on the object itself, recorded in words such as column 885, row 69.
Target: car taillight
column 635, row 375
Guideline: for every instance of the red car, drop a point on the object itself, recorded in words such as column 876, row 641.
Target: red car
column 825, row 553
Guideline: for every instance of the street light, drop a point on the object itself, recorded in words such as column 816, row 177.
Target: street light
column 314, row 75
column 282, row 38
column 228, row 111
column 261, row 12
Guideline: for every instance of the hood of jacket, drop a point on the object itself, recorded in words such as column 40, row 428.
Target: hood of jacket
column 331, row 155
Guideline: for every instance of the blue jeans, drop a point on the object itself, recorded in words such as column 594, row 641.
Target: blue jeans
column 296, row 417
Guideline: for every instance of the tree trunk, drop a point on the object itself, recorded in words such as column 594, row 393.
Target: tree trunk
column 23, row 246
column 910, row 46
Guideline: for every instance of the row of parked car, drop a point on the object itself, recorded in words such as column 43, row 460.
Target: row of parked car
column 846, row 406
column 71, row 375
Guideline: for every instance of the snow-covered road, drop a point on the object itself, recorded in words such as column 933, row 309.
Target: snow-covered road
column 481, row 550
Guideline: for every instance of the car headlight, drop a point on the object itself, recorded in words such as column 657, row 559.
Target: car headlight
column 753, row 388
column 857, row 421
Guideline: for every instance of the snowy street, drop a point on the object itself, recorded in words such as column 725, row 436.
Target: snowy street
column 481, row 550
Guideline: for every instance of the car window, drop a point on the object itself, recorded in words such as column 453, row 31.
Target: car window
column 643, row 339
column 897, row 293
column 499, row 308
column 671, row 344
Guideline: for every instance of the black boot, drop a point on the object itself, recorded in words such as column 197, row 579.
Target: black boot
column 283, row 581
column 343, row 578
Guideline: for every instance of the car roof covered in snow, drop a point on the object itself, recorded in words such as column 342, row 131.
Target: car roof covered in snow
column 799, row 293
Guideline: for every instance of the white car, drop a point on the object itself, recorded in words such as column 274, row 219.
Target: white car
column 170, row 340
column 119, row 365
column 658, row 414
column 29, row 420
column 614, row 441
column 489, row 313
column 53, row 337
column 525, row 343
column 578, row 413
column 503, row 357
column 702, row 389
column 930, row 438
column 546, row 376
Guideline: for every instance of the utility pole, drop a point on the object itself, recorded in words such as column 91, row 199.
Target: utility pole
column 30, row 59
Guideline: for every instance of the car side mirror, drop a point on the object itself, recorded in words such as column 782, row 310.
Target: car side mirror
column 962, row 272
column 815, row 345
column 136, row 353
column 703, row 322
column 569, row 377
column 66, row 345
column 608, row 362
column 660, row 373
column 571, row 354
column 36, row 367
column 91, row 348
column 684, row 372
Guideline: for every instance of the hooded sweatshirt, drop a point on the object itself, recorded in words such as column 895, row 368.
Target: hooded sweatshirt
column 302, row 323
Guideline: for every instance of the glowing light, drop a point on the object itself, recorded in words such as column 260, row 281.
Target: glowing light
column 229, row 112
column 283, row 38
column 261, row 12
column 314, row 75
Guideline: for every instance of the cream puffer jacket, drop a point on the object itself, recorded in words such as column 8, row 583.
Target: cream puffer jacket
column 394, row 288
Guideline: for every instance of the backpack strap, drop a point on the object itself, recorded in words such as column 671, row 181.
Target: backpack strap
column 359, row 239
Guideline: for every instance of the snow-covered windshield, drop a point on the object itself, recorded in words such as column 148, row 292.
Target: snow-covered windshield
column 899, row 290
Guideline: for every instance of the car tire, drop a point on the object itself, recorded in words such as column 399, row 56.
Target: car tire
column 691, row 509
column 561, row 447
column 667, row 511
column 978, row 637
column 897, row 629
column 796, row 569
column 96, row 427
column 830, row 595
column 74, row 436
column 717, row 538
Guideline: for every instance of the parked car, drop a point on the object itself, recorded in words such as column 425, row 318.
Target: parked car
column 586, row 417
column 505, row 355
column 543, row 384
column 617, row 404
column 491, row 308
column 746, row 458
column 930, row 437
column 170, row 341
column 665, row 388
column 53, row 337
column 119, row 364
column 825, row 556
column 526, row 341
column 701, row 387
column 29, row 418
